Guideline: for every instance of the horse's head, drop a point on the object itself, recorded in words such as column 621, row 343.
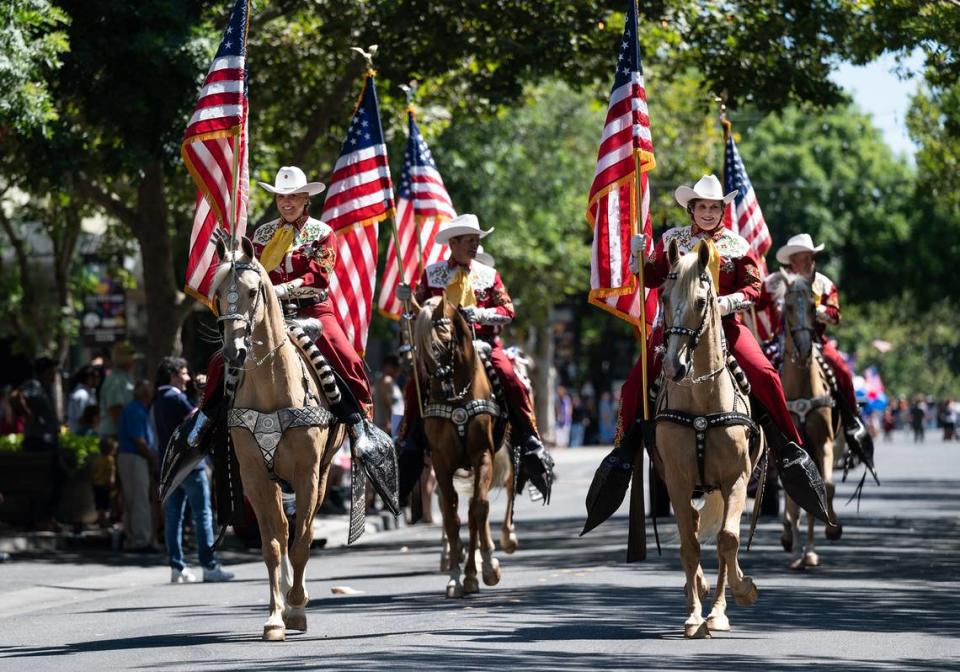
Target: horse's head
column 241, row 298
column 444, row 344
column 799, row 316
column 688, row 300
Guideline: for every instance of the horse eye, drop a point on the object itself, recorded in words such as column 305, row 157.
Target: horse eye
column 701, row 303
column 253, row 293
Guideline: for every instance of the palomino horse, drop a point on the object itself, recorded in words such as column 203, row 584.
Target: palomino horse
column 459, row 418
column 704, row 435
column 281, row 429
column 811, row 405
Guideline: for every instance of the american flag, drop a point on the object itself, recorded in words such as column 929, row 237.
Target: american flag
column 744, row 215
column 612, row 207
column 422, row 204
column 360, row 195
column 214, row 149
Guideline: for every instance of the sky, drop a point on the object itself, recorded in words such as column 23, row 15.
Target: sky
column 878, row 91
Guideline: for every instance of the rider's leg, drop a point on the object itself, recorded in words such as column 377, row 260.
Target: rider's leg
column 857, row 436
column 338, row 350
column 798, row 472
column 536, row 461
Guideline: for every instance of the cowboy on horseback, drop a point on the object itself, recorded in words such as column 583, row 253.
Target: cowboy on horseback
column 479, row 292
column 735, row 274
column 299, row 253
column 798, row 258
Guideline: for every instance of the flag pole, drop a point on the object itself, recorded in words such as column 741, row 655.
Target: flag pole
column 634, row 226
column 727, row 132
column 235, row 187
column 407, row 305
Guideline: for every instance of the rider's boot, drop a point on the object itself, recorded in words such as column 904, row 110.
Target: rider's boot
column 798, row 472
column 612, row 478
column 536, row 464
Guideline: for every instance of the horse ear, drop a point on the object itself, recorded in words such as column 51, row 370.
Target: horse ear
column 247, row 246
column 221, row 249
column 703, row 255
column 673, row 253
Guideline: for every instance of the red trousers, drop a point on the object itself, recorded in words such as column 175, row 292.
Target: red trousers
column 333, row 345
column 764, row 379
column 840, row 370
column 521, row 410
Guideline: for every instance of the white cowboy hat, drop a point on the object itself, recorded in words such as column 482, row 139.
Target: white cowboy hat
column 291, row 180
column 484, row 258
column 708, row 188
column 802, row 242
column 463, row 225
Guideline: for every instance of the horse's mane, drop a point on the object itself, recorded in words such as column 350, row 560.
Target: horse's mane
column 423, row 331
column 688, row 278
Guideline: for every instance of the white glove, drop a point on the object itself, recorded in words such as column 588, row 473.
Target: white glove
column 283, row 289
column 472, row 314
column 404, row 292
column 638, row 250
column 733, row 303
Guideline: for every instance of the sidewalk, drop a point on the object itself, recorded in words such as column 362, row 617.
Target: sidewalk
column 329, row 531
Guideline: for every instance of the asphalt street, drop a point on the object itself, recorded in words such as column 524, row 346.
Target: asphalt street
column 884, row 597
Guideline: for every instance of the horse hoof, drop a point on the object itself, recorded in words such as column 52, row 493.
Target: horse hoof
column 471, row 585
column 491, row 574
column 748, row 595
column 786, row 538
column 296, row 622
column 718, row 623
column 454, row 590
column 696, row 631
column 274, row 633
column 811, row 559
column 508, row 544
column 834, row 532
column 796, row 565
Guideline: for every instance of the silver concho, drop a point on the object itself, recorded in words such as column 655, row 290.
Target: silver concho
column 233, row 296
column 460, row 416
column 700, row 424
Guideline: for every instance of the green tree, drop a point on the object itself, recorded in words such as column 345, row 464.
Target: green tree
column 831, row 175
column 32, row 42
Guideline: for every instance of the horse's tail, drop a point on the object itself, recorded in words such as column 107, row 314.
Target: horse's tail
column 711, row 516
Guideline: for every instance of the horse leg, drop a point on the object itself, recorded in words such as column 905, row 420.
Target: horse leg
column 295, row 613
column 742, row 587
column 508, row 533
column 792, row 514
column 679, row 490
column 451, row 527
column 786, row 536
column 482, row 482
column 717, row 620
column 826, row 470
column 273, row 538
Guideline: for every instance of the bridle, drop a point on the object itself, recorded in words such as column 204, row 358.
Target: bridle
column 802, row 327
column 237, row 268
column 694, row 335
column 443, row 354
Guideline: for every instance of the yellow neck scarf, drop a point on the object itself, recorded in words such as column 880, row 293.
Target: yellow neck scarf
column 458, row 291
column 277, row 248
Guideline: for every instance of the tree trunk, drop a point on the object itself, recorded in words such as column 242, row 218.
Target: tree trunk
column 156, row 249
column 545, row 379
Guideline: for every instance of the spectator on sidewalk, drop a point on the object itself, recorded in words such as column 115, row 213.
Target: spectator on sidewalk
column 387, row 397
column 578, row 421
column 117, row 389
column 564, row 417
column 608, row 418
column 918, row 417
column 136, row 462
column 33, row 401
column 84, row 395
column 171, row 407
column 103, row 476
